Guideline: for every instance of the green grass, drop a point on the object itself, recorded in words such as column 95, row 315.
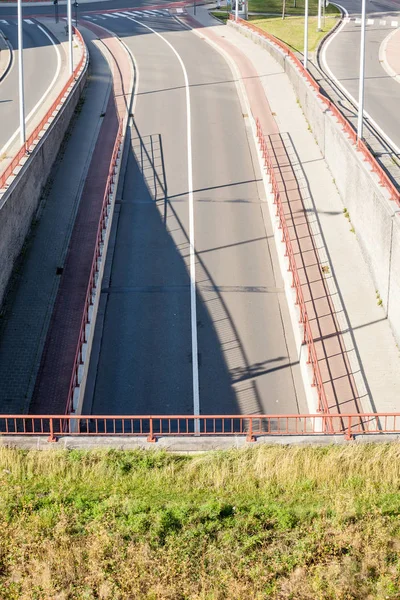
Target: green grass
column 291, row 30
column 275, row 6
column 270, row 522
column 222, row 15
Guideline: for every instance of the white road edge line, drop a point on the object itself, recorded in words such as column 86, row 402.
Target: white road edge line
column 383, row 57
column 34, row 109
column 193, row 307
column 344, row 90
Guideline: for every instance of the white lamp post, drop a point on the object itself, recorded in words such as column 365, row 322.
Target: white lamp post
column 21, row 76
column 305, row 35
column 360, row 121
column 69, row 21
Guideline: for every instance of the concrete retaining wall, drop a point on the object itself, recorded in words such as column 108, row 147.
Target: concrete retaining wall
column 19, row 203
column 374, row 216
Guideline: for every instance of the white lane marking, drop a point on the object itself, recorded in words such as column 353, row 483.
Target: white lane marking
column 111, row 15
column 29, row 21
column 88, row 17
column 357, row 21
column 35, row 108
column 5, row 22
column 179, row 10
column 370, row 21
column 383, row 57
column 382, row 22
column 344, row 90
column 119, row 14
column 193, row 307
column 394, row 23
column 100, row 17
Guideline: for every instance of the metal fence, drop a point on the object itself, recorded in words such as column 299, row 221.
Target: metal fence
column 152, row 427
column 94, row 271
column 308, row 339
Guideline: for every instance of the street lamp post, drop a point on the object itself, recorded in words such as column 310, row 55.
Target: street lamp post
column 69, row 25
column 55, row 2
column 237, row 10
column 305, row 34
column 360, row 121
column 21, row 76
column 319, row 26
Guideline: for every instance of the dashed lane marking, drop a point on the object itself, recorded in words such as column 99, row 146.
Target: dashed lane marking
column 380, row 22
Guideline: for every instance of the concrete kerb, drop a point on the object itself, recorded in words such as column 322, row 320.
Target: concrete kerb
column 79, row 393
column 269, row 215
column 6, row 56
column 372, row 212
column 19, row 202
column 183, row 445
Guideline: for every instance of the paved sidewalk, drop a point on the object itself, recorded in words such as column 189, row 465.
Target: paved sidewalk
column 30, row 303
column 358, row 356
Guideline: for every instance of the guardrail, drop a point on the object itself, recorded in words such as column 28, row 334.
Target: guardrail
column 35, row 135
column 296, row 284
column 384, row 178
column 98, row 253
column 154, row 426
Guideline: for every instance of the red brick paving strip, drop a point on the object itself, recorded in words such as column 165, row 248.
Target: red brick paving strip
column 52, row 384
column 339, row 384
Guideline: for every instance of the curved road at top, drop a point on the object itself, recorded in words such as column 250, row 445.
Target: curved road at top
column 40, row 67
column 341, row 56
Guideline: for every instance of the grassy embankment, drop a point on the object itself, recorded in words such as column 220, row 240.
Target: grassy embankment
column 269, row 522
column 291, row 29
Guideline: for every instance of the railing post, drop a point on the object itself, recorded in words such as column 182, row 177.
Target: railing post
column 150, row 437
column 52, row 437
column 250, row 437
column 349, row 435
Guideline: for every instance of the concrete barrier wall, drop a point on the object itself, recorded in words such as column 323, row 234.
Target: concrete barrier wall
column 374, row 216
column 19, row 203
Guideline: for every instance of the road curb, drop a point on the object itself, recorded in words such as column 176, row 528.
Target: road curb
column 329, row 34
column 5, row 64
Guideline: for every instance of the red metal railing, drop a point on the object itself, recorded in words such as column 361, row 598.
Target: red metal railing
column 35, row 135
column 384, row 178
column 110, row 185
column 152, row 427
column 296, row 284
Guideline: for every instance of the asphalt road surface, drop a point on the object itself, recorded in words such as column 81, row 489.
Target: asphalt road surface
column 342, row 56
column 143, row 361
column 40, row 67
